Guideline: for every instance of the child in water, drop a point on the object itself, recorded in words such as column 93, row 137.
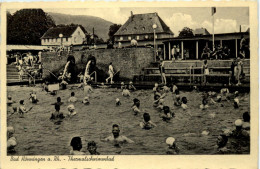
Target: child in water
column 204, row 104
column 87, row 89
column 172, row 147
column 58, row 102
column 71, row 110
column 22, row 110
column 125, row 92
column 92, row 148
column 167, row 114
column 156, row 88
column 122, row 86
column 11, row 140
column 10, row 102
column 72, row 98
column 136, row 106
column 76, row 145
column 177, row 98
column 184, row 103
column 147, row 124
column 33, row 98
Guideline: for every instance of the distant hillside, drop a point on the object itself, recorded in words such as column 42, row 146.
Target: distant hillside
column 101, row 26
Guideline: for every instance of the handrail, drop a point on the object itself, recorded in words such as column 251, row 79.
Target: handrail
column 95, row 75
column 190, row 75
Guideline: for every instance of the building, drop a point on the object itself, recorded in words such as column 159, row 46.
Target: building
column 200, row 32
column 140, row 27
column 64, row 35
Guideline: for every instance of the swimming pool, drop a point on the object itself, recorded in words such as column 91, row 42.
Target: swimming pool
column 37, row 135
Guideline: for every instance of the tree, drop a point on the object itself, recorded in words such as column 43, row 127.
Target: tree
column 186, row 32
column 112, row 30
column 27, row 26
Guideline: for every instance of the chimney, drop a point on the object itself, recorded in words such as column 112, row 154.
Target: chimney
column 240, row 27
column 132, row 16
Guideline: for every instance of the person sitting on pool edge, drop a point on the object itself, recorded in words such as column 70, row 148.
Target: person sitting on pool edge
column 92, row 148
column 167, row 114
column 57, row 114
column 116, row 136
column 172, row 147
column 76, row 145
column 72, row 98
column 147, row 124
column 136, row 106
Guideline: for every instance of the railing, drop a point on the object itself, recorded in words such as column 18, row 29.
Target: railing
column 95, row 74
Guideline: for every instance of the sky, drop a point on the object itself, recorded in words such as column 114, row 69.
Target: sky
column 226, row 19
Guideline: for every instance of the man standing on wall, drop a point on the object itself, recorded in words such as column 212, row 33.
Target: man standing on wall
column 111, row 73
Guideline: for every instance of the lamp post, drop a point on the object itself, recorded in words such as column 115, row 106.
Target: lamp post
column 61, row 36
column 154, row 45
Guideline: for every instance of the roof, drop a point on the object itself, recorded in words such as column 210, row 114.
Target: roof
column 143, row 24
column 25, row 47
column 201, row 31
column 67, row 31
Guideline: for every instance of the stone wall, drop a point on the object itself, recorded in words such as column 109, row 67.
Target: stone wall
column 129, row 61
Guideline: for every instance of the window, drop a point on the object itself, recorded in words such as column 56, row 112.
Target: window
column 129, row 37
column 137, row 37
column 121, row 38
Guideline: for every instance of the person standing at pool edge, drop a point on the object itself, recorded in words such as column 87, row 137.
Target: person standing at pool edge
column 110, row 72
column 162, row 71
column 116, row 137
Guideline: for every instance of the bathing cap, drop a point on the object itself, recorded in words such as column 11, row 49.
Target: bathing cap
column 238, row 122
column 131, row 82
column 9, row 97
column 156, row 84
column 71, row 107
column 122, row 83
column 170, row 141
column 117, row 99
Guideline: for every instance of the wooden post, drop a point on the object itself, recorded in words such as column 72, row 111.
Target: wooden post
column 197, row 49
column 164, row 50
column 169, row 51
column 182, row 52
column 221, row 43
column 236, row 47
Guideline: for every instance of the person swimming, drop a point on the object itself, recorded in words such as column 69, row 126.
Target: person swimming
column 33, row 98
column 172, row 147
column 131, row 86
column 126, row 92
column 87, row 89
column 116, row 138
column 136, row 106
column 71, row 110
column 92, row 148
column 22, row 110
column 122, row 86
column 204, row 104
column 156, row 88
column 166, row 115
column 76, row 145
column 10, row 102
column 222, row 144
column 57, row 114
column 184, row 103
column 118, row 103
column 58, row 102
column 246, row 121
column 147, row 124
column 72, row 98
column 11, row 140
column 177, row 98
column 86, row 101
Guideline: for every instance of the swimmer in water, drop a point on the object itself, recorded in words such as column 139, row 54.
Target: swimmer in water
column 72, row 98
column 118, row 103
column 86, row 101
column 177, row 98
column 166, row 115
column 156, row 88
column 116, row 138
column 10, row 102
column 11, row 140
column 58, row 102
column 136, row 106
column 92, row 148
column 87, row 89
column 122, row 86
column 246, row 121
column 71, row 110
column 160, row 104
column 131, row 86
column 22, row 110
column 76, row 145
column 174, row 88
column 221, row 144
column 33, row 98
column 57, row 114
column 204, row 104
column 147, row 124
column 125, row 92
column 172, row 147
column 184, row 103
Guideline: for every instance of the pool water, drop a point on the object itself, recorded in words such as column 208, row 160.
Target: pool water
column 37, row 135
